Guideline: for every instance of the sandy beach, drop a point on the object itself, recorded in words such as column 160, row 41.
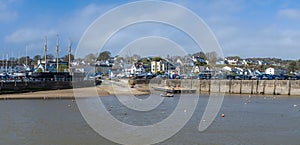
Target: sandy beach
column 103, row 90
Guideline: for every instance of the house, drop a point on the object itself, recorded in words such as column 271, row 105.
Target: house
column 199, row 60
column 270, row 71
column 136, row 68
column 51, row 65
column 198, row 69
column 159, row 66
column 231, row 61
column 259, row 62
column 242, row 62
column 227, row 68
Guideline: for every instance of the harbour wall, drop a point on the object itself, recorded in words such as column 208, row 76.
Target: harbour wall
column 263, row 87
column 18, row 87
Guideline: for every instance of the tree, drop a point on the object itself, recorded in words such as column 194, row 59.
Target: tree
column 212, row 57
column 136, row 57
column 200, row 54
column 23, row 59
column 157, row 58
column 292, row 66
column 66, row 58
column 103, row 56
column 37, row 57
column 90, row 57
column 49, row 56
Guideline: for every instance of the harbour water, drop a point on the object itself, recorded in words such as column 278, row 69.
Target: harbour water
column 248, row 120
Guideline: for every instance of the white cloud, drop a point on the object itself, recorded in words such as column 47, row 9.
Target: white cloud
column 289, row 13
column 28, row 35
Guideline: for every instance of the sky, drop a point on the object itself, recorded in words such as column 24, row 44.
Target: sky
column 246, row 28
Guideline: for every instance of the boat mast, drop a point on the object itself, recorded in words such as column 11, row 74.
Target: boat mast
column 3, row 62
column 26, row 55
column 45, row 53
column 57, row 49
column 69, row 55
column 6, row 63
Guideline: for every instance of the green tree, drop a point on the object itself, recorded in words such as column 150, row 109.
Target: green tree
column 292, row 66
column 200, row 54
column 66, row 58
column 23, row 60
column 157, row 58
column 36, row 59
column 49, row 56
column 103, row 56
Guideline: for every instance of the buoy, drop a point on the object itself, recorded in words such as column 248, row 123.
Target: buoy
column 295, row 105
column 223, row 115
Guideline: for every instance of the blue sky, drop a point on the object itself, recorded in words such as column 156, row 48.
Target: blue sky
column 248, row 28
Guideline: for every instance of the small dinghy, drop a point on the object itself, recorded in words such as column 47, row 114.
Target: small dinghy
column 167, row 95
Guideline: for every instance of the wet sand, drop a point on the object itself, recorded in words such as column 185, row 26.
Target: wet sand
column 104, row 90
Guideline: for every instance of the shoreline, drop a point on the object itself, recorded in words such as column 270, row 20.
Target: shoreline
column 106, row 90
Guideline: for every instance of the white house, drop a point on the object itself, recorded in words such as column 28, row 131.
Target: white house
column 231, row 61
column 135, row 69
column 270, row 71
column 158, row 66
column 227, row 68
column 196, row 69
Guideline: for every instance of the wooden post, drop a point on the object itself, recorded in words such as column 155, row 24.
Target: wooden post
column 290, row 86
column 200, row 85
column 252, row 87
column 230, row 83
column 257, row 83
column 219, row 86
column 274, row 90
column 209, row 85
column 241, row 86
column 264, row 87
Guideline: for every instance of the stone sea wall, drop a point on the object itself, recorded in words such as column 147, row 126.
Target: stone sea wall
column 264, row 87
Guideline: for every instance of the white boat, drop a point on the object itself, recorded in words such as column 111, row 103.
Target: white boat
column 167, row 95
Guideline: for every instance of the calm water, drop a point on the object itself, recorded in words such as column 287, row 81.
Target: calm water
column 260, row 121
